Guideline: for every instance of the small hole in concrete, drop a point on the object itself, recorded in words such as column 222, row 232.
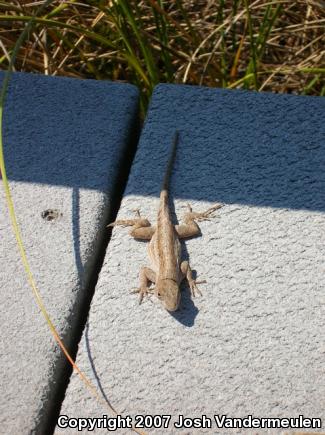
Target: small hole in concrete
column 51, row 214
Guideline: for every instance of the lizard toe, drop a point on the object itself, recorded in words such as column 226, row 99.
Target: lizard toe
column 195, row 291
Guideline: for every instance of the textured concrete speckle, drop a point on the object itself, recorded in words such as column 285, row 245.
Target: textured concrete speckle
column 64, row 140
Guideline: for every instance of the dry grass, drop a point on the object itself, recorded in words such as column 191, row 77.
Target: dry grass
column 263, row 44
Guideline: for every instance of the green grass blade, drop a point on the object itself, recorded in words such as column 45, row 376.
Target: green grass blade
column 252, row 67
column 123, row 8
column 162, row 29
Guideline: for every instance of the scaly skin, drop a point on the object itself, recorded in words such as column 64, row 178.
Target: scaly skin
column 168, row 270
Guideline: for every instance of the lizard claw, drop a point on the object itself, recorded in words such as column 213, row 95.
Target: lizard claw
column 121, row 223
column 143, row 292
column 137, row 212
column 209, row 212
column 205, row 217
column 194, row 288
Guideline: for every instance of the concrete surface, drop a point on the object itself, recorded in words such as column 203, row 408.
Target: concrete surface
column 254, row 343
column 64, row 141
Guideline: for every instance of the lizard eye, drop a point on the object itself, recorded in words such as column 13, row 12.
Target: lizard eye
column 159, row 295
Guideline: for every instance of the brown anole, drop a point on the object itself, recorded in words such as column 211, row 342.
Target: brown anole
column 168, row 270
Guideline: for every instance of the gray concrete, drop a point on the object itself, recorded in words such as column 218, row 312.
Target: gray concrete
column 254, row 343
column 64, row 142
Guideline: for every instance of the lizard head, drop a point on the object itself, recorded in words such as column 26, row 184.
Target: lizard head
column 168, row 293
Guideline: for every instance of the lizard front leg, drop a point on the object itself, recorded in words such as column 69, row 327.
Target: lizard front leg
column 141, row 228
column 190, row 228
column 188, row 274
column 146, row 276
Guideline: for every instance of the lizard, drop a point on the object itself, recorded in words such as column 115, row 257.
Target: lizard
column 164, row 248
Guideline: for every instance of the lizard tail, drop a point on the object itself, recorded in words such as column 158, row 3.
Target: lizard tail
column 169, row 168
